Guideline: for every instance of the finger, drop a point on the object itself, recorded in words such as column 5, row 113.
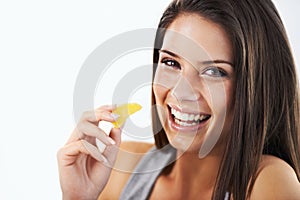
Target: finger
column 100, row 145
column 69, row 153
column 102, row 113
column 107, row 107
column 97, row 115
column 115, row 134
column 94, row 151
column 111, row 151
column 88, row 129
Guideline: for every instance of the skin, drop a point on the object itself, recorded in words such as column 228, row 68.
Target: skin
column 190, row 177
column 198, row 174
column 84, row 169
column 200, row 88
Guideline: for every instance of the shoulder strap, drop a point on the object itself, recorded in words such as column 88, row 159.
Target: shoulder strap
column 145, row 174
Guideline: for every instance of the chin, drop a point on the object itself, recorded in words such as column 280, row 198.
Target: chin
column 185, row 142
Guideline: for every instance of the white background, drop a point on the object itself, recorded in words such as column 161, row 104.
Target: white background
column 42, row 47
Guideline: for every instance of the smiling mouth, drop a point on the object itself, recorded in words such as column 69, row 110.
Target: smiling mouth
column 182, row 119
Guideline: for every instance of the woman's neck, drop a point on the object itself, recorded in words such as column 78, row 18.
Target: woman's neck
column 192, row 174
column 190, row 168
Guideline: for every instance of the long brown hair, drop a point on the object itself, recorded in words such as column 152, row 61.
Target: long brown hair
column 266, row 113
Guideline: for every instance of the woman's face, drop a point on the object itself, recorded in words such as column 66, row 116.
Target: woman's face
column 193, row 84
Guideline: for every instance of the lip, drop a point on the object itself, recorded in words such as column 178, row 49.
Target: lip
column 185, row 110
column 176, row 127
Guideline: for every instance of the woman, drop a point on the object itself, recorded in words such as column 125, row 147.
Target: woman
column 239, row 89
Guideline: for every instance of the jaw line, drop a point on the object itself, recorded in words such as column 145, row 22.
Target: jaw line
column 213, row 134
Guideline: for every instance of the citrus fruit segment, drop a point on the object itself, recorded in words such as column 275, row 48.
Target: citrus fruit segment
column 124, row 111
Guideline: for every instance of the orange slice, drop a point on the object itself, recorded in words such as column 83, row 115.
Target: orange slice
column 124, row 111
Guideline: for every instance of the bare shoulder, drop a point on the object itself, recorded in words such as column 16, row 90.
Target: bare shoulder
column 129, row 155
column 276, row 179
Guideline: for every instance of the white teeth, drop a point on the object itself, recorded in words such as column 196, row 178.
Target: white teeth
column 181, row 123
column 182, row 118
column 202, row 117
column 191, row 117
column 173, row 111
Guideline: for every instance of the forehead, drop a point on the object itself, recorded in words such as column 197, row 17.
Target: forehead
column 197, row 39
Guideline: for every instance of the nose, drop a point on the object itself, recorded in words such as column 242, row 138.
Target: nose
column 185, row 90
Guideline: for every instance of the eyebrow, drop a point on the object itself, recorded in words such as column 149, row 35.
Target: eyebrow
column 208, row 62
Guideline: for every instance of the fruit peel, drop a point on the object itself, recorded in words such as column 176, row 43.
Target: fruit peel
column 124, row 111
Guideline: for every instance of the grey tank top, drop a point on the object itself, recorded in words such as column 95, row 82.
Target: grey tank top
column 141, row 182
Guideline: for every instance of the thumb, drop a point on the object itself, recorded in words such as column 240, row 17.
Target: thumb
column 115, row 134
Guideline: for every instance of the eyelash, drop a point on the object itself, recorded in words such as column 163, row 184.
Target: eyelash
column 166, row 61
column 216, row 71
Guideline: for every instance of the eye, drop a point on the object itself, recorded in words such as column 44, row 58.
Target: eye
column 215, row 72
column 171, row 63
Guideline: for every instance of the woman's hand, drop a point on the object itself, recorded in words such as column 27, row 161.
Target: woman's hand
column 84, row 169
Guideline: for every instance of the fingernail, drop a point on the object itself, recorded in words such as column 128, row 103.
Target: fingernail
column 115, row 116
column 104, row 159
column 111, row 140
column 100, row 145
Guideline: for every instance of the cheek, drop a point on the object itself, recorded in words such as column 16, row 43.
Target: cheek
column 219, row 96
column 230, row 98
column 160, row 93
column 229, row 111
column 229, row 104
